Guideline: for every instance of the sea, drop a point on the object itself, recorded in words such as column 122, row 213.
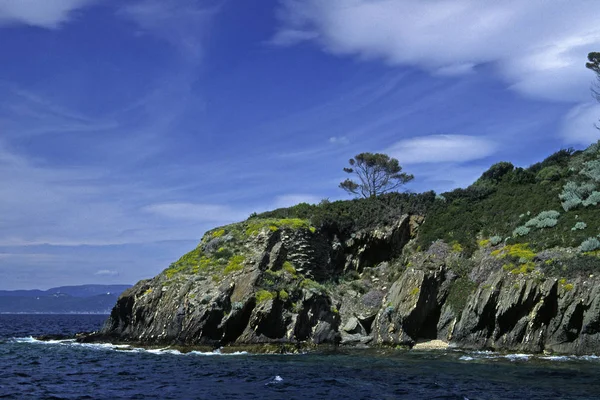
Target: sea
column 64, row 369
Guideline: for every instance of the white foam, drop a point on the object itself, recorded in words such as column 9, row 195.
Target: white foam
column 466, row 358
column 555, row 358
column 276, row 380
column 518, row 357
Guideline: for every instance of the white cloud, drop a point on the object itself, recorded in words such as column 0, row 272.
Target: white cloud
column 289, row 200
column 43, row 13
column 106, row 272
column 441, row 148
column 538, row 46
column 578, row 126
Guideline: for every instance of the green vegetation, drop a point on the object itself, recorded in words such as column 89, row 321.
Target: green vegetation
column 500, row 200
column 377, row 174
column 289, row 268
column 263, row 295
column 218, row 233
column 236, row 263
column 460, row 291
column 349, row 216
column 255, row 225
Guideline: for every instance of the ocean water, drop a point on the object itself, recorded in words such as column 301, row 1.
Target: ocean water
column 30, row 369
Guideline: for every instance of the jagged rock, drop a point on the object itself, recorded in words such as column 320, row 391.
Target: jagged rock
column 265, row 284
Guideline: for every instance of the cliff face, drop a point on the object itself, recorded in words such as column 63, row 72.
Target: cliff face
column 282, row 281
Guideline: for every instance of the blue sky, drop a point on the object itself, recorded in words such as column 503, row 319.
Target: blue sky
column 130, row 127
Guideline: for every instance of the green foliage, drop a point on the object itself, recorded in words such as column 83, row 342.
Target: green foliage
column 377, row 174
column 550, row 174
column 495, row 240
column 263, row 295
column 590, row 244
column 545, row 219
column 346, row 217
column 218, row 233
column 256, row 225
column 591, row 169
column 283, row 295
column 236, row 263
column 573, row 194
column 592, row 200
column 495, row 173
column 579, row 225
column 521, row 231
column 313, row 286
column 289, row 268
column 459, row 293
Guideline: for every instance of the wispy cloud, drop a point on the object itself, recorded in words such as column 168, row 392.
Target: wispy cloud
column 441, row 149
column 184, row 24
column 450, row 37
column 49, row 14
column 578, row 125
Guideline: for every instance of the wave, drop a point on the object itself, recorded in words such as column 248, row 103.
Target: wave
column 123, row 347
column 518, row 357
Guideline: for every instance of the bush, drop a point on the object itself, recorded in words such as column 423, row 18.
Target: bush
column 495, row 240
column 573, row 194
column 592, row 200
column 521, row 231
column 589, row 244
column 579, row 225
column 496, row 172
column 591, row 169
column 549, row 174
column 545, row 219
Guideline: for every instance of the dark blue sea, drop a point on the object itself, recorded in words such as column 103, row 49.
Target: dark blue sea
column 30, row 369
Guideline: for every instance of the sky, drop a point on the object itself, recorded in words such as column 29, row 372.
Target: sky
column 130, row 127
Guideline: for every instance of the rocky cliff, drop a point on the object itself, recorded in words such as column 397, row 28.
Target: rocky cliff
column 284, row 282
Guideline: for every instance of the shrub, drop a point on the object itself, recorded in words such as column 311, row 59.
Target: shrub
column 579, row 225
column 283, row 295
column 496, row 172
column 545, row 219
column 591, row 169
column 593, row 149
column 495, row 240
column 549, row 174
column 263, row 295
column 573, row 194
column 521, row 231
column 592, row 200
column 218, row 233
column 589, row 244
column 289, row 268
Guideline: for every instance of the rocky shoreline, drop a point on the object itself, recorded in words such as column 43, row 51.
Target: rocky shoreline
column 285, row 284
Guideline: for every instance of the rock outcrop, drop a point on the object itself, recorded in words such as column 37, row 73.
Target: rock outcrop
column 284, row 282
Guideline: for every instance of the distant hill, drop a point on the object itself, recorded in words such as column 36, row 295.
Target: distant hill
column 84, row 299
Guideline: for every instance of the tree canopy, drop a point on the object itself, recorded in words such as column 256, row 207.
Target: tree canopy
column 594, row 65
column 377, row 174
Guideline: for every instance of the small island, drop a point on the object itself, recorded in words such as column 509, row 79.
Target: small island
column 511, row 263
